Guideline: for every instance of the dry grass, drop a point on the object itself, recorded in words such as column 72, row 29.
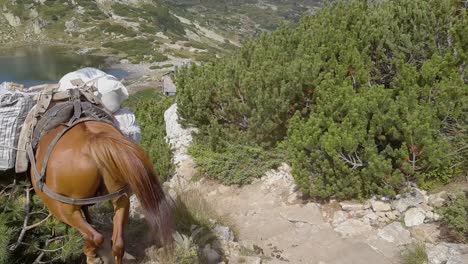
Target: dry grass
column 194, row 219
column 414, row 254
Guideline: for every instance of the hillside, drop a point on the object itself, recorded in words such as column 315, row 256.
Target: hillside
column 143, row 30
column 363, row 97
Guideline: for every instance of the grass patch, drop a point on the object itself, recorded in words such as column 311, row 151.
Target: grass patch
column 137, row 50
column 414, row 254
column 117, row 29
column 235, row 164
column 157, row 67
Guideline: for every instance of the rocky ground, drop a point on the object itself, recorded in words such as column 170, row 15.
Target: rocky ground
column 273, row 224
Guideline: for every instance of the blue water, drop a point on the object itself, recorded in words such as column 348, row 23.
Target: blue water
column 39, row 65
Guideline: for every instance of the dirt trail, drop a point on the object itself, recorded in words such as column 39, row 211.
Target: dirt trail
column 291, row 232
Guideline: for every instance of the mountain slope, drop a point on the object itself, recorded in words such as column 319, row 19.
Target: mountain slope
column 143, row 30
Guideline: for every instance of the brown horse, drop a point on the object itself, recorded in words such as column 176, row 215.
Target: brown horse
column 92, row 157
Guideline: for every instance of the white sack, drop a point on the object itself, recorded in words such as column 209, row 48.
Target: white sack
column 128, row 124
column 111, row 91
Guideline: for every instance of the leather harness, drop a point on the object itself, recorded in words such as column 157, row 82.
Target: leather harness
column 73, row 110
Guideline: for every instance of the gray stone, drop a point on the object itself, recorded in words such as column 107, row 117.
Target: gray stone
column 411, row 199
column 426, row 233
column 429, row 216
column 211, row 255
column 371, row 216
column 426, row 207
column 414, row 216
column 458, row 259
column 447, row 253
column 395, row 233
column 135, row 208
column 437, row 199
column 438, row 254
column 294, row 198
column 13, row 20
column 223, row 233
column 358, row 213
column 354, row 206
column 339, row 217
column 381, row 214
column 379, row 206
column 391, row 215
column 353, row 227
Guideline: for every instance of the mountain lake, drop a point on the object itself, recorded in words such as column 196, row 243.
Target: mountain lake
column 44, row 64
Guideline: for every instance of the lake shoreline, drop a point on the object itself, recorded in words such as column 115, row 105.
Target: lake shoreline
column 28, row 58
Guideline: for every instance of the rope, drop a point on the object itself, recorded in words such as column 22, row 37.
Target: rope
column 10, row 147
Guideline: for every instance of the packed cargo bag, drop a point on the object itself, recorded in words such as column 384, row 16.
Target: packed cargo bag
column 14, row 106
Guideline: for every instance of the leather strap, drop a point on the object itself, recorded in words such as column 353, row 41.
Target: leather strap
column 41, row 181
column 86, row 201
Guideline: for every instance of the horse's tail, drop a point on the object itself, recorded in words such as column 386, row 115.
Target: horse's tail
column 126, row 161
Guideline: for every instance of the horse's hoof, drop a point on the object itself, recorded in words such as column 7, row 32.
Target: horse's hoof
column 94, row 260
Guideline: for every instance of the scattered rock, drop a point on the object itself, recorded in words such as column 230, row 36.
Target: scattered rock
column 13, row 20
column 426, row 233
column 135, row 208
column 294, row 198
column 339, row 217
column 211, row 255
column 447, row 253
column 411, row 199
column 381, row 214
column 426, row 207
column 379, row 206
column 438, row 254
column 353, row 227
column 395, row 233
column 437, row 199
column 353, row 206
column 223, row 233
column 371, row 216
column 178, row 137
column 414, row 216
column 358, row 213
column 281, row 181
column 391, row 215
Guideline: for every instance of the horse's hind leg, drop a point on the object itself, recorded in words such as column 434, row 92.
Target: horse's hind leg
column 121, row 209
column 93, row 238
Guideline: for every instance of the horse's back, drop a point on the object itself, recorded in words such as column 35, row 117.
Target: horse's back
column 70, row 169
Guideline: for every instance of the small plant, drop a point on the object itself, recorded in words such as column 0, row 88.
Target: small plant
column 415, row 254
column 186, row 250
column 455, row 216
column 193, row 219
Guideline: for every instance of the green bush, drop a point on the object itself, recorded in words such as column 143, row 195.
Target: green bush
column 158, row 57
column 54, row 10
column 135, row 49
column 455, row 216
column 117, row 29
column 149, row 107
column 365, row 94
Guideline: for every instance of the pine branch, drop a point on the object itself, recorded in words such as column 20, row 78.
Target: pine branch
column 38, row 260
column 7, row 187
column 353, row 160
column 26, row 227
